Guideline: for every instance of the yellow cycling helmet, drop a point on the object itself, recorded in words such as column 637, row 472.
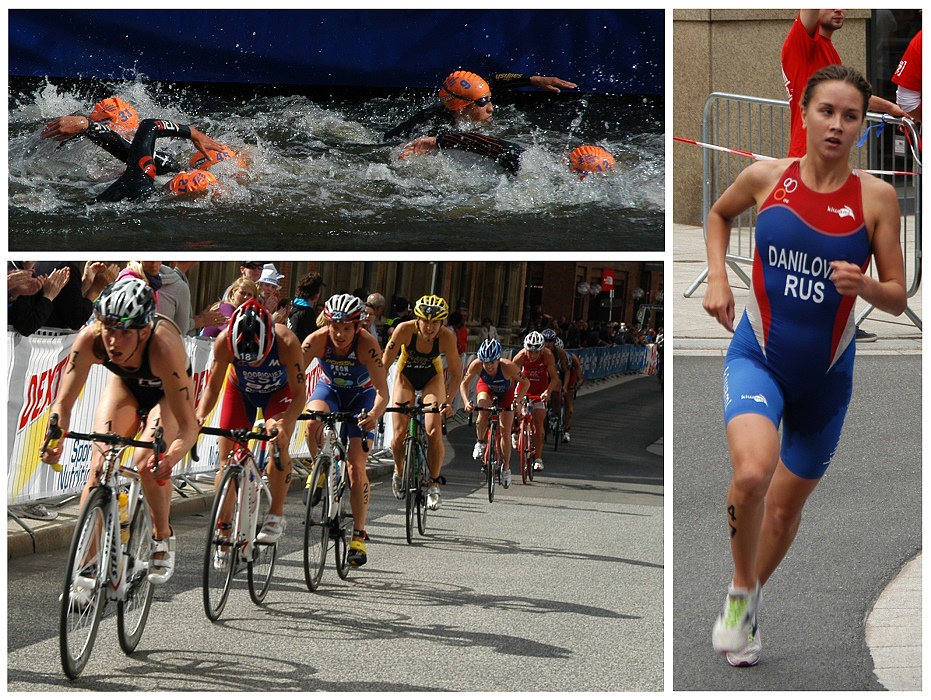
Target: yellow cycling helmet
column 431, row 308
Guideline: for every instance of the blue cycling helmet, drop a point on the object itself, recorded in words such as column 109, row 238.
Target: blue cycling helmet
column 549, row 335
column 489, row 351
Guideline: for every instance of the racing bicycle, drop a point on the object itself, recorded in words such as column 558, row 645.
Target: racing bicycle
column 416, row 472
column 105, row 564
column 328, row 524
column 526, row 447
column 241, row 501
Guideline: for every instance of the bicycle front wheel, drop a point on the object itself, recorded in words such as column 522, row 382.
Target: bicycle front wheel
column 526, row 446
column 317, row 523
column 260, row 569
column 83, row 597
column 133, row 610
column 411, row 479
column 341, row 531
column 420, row 474
column 492, row 466
column 221, row 556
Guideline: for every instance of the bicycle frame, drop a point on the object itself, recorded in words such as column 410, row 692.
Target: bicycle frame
column 120, row 570
column 251, row 471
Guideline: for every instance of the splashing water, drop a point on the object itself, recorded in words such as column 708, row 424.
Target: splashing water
column 322, row 179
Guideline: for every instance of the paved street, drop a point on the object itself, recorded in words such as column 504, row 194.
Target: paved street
column 555, row 586
column 859, row 527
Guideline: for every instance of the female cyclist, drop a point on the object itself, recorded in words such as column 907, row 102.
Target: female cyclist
column 496, row 378
column 418, row 344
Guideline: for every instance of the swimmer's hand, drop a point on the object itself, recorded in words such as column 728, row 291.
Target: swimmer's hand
column 550, row 83
column 204, row 143
column 62, row 128
column 420, row 147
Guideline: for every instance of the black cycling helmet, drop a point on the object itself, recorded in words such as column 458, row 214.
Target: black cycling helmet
column 251, row 332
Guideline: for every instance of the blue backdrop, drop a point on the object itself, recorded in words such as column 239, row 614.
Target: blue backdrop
column 604, row 51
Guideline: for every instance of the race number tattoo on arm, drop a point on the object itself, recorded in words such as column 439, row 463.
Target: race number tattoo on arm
column 74, row 361
column 375, row 356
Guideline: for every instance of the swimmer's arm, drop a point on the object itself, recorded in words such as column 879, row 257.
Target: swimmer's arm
column 508, row 81
column 407, row 127
column 505, row 153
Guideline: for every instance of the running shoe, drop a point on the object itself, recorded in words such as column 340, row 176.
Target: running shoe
column 357, row 555
column 162, row 568
column 221, row 560
column 272, row 529
column 732, row 630
column 751, row 655
column 565, row 437
column 433, row 498
column 478, row 450
column 81, row 594
column 397, row 486
column 538, row 465
column 505, row 477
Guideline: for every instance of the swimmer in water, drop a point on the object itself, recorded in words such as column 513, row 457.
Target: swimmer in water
column 108, row 125
column 465, row 98
column 583, row 160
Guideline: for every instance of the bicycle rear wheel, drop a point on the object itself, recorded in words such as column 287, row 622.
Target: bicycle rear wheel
column 221, row 555
column 558, row 426
column 411, row 479
column 133, row 610
column 83, row 598
column 317, row 523
column 260, row 569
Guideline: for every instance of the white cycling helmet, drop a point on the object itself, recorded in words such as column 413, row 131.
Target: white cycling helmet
column 534, row 341
column 343, row 308
column 126, row 303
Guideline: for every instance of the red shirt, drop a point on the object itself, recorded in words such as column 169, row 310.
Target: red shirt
column 802, row 57
column 908, row 74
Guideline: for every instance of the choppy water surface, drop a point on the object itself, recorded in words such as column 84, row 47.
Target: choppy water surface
column 322, row 179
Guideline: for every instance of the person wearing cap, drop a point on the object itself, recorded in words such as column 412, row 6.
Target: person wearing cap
column 582, row 161
column 269, row 289
column 113, row 120
column 465, row 97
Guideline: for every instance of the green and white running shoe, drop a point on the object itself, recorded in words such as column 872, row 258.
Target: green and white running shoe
column 732, row 629
column 751, row 655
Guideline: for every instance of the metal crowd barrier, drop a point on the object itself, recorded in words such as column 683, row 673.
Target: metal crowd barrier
column 760, row 127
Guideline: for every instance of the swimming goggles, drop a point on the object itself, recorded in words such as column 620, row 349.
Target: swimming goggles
column 482, row 101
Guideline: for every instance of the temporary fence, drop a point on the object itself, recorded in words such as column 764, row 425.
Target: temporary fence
column 36, row 368
column 737, row 129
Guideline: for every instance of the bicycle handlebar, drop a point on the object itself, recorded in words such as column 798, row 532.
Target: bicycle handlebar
column 54, row 434
column 332, row 417
column 238, row 434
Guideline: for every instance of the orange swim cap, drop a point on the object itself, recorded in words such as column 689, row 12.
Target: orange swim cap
column 461, row 88
column 590, row 159
column 192, row 181
column 118, row 114
column 202, row 162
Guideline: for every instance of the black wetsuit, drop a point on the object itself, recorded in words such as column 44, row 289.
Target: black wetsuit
column 117, row 145
column 437, row 117
column 138, row 182
column 505, row 153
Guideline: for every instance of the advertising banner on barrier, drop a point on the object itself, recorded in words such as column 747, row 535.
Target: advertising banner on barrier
column 37, row 365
